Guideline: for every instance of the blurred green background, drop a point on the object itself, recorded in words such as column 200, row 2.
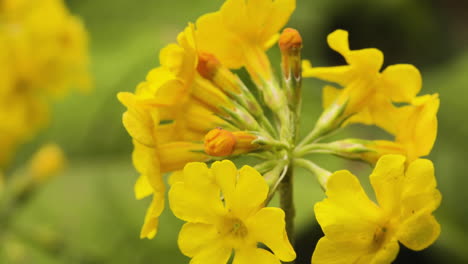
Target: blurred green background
column 91, row 205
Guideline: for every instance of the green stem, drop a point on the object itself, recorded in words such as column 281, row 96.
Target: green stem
column 319, row 172
column 287, row 202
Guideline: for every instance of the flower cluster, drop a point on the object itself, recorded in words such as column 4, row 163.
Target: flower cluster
column 194, row 108
column 39, row 58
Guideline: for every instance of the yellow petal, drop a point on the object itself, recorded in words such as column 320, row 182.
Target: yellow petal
column 329, row 252
column 338, row 41
column 387, row 253
column 146, row 162
column 150, row 226
column 142, row 188
column 383, row 113
column 277, row 16
column 329, row 95
column 347, row 213
column 194, row 238
column 199, row 117
column 386, row 179
column 341, row 75
column 197, row 198
column 254, row 255
column 138, row 120
column 418, row 130
column 174, row 155
column 419, row 232
column 225, row 173
column 172, row 92
column 268, row 227
column 215, row 253
column 171, row 57
column 214, row 38
column 367, row 60
column 176, row 176
column 402, row 82
column 419, row 177
column 250, row 192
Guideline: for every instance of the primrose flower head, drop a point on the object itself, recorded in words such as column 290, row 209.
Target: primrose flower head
column 359, row 230
column 215, row 228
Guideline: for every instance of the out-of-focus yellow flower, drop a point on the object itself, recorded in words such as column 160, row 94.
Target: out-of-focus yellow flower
column 43, row 51
column 367, row 92
column 359, row 231
column 215, row 229
column 240, row 32
column 47, row 162
column 416, row 131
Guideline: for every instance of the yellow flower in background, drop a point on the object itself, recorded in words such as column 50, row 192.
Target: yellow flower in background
column 241, row 31
column 216, row 228
column 416, row 131
column 47, row 162
column 358, row 230
column 43, row 52
column 367, row 92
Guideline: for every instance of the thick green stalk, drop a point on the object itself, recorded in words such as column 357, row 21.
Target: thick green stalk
column 287, row 202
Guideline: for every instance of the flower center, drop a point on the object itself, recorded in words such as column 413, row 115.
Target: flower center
column 380, row 235
column 235, row 228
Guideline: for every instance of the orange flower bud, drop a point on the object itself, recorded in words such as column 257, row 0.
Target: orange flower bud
column 219, row 142
column 290, row 41
column 244, row 142
column 207, row 65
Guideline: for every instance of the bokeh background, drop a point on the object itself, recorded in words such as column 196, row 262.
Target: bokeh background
column 89, row 211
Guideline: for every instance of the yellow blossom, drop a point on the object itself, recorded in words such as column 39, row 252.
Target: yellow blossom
column 43, row 52
column 216, row 228
column 358, row 230
column 416, row 131
column 240, row 32
column 367, row 92
column 47, row 162
column 152, row 156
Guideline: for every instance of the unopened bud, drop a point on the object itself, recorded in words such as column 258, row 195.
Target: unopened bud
column 290, row 41
column 220, row 142
column 210, row 68
column 207, row 65
column 47, row 162
column 244, row 142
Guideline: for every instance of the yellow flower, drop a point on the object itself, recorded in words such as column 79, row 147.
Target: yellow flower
column 44, row 52
column 184, row 98
column 416, row 131
column 240, row 32
column 216, row 228
column 152, row 156
column 358, row 230
column 367, row 92
column 47, row 162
